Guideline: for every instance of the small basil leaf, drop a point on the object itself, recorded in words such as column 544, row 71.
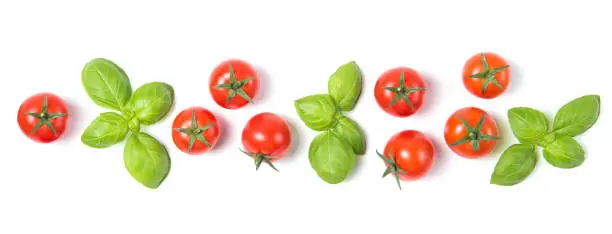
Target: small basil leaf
column 514, row 165
column 344, row 86
column 151, row 102
column 106, row 84
column 577, row 116
column 530, row 126
column 565, row 152
column 351, row 133
column 331, row 157
column 316, row 111
column 106, row 130
column 146, row 160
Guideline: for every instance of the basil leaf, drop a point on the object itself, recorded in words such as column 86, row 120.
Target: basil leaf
column 577, row 116
column 316, row 111
column 151, row 102
column 331, row 157
column 106, row 84
column 146, row 160
column 565, row 152
column 106, row 130
column 530, row 126
column 351, row 133
column 514, row 165
column 344, row 86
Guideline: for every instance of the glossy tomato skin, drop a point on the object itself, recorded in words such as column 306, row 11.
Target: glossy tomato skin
column 391, row 78
column 454, row 130
column 267, row 133
column 474, row 66
column 221, row 75
column 34, row 104
column 413, row 152
column 203, row 117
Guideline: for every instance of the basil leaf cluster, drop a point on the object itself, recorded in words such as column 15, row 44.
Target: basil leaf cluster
column 108, row 86
column 532, row 128
column 332, row 154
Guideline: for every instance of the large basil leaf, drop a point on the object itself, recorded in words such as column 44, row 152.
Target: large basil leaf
column 564, row 152
column 514, row 165
column 349, row 131
column 107, row 129
column 106, row 84
column 331, row 157
column 151, row 102
column 316, row 111
column 577, row 116
column 344, row 86
column 530, row 126
column 146, row 159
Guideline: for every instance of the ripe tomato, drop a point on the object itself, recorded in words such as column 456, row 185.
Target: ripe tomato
column 195, row 130
column 233, row 84
column 266, row 138
column 43, row 117
column 486, row 75
column 400, row 91
column 471, row 133
column 408, row 155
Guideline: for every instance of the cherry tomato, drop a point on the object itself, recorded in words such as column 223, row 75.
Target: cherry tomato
column 408, row 155
column 486, row 75
column 471, row 133
column 195, row 130
column 266, row 138
column 43, row 117
column 400, row 91
column 233, row 84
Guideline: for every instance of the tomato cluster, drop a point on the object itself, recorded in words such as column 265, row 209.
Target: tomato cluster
column 401, row 92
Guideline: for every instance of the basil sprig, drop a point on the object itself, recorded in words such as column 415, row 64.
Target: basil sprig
column 108, row 86
column 532, row 128
column 332, row 152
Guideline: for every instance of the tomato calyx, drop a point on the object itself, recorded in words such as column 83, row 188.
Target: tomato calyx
column 235, row 86
column 195, row 132
column 260, row 158
column 402, row 92
column 488, row 75
column 44, row 117
column 392, row 167
column 474, row 136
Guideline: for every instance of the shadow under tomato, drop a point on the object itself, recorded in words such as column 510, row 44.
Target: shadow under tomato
column 294, row 148
column 264, row 85
column 516, row 76
column 226, row 133
column 72, row 129
column 431, row 99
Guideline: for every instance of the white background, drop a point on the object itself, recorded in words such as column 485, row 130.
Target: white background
column 557, row 50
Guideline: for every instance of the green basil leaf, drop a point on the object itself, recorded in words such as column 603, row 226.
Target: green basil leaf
column 106, row 130
column 146, row 159
column 316, row 111
column 106, row 84
column 151, row 102
column 351, row 133
column 530, row 126
column 577, row 116
column 514, row 165
column 344, row 86
column 565, row 152
column 331, row 157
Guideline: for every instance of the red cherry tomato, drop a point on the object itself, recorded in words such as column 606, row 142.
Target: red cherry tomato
column 486, row 75
column 471, row 133
column 195, row 130
column 400, row 91
column 43, row 117
column 233, row 84
column 266, row 138
column 408, row 155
